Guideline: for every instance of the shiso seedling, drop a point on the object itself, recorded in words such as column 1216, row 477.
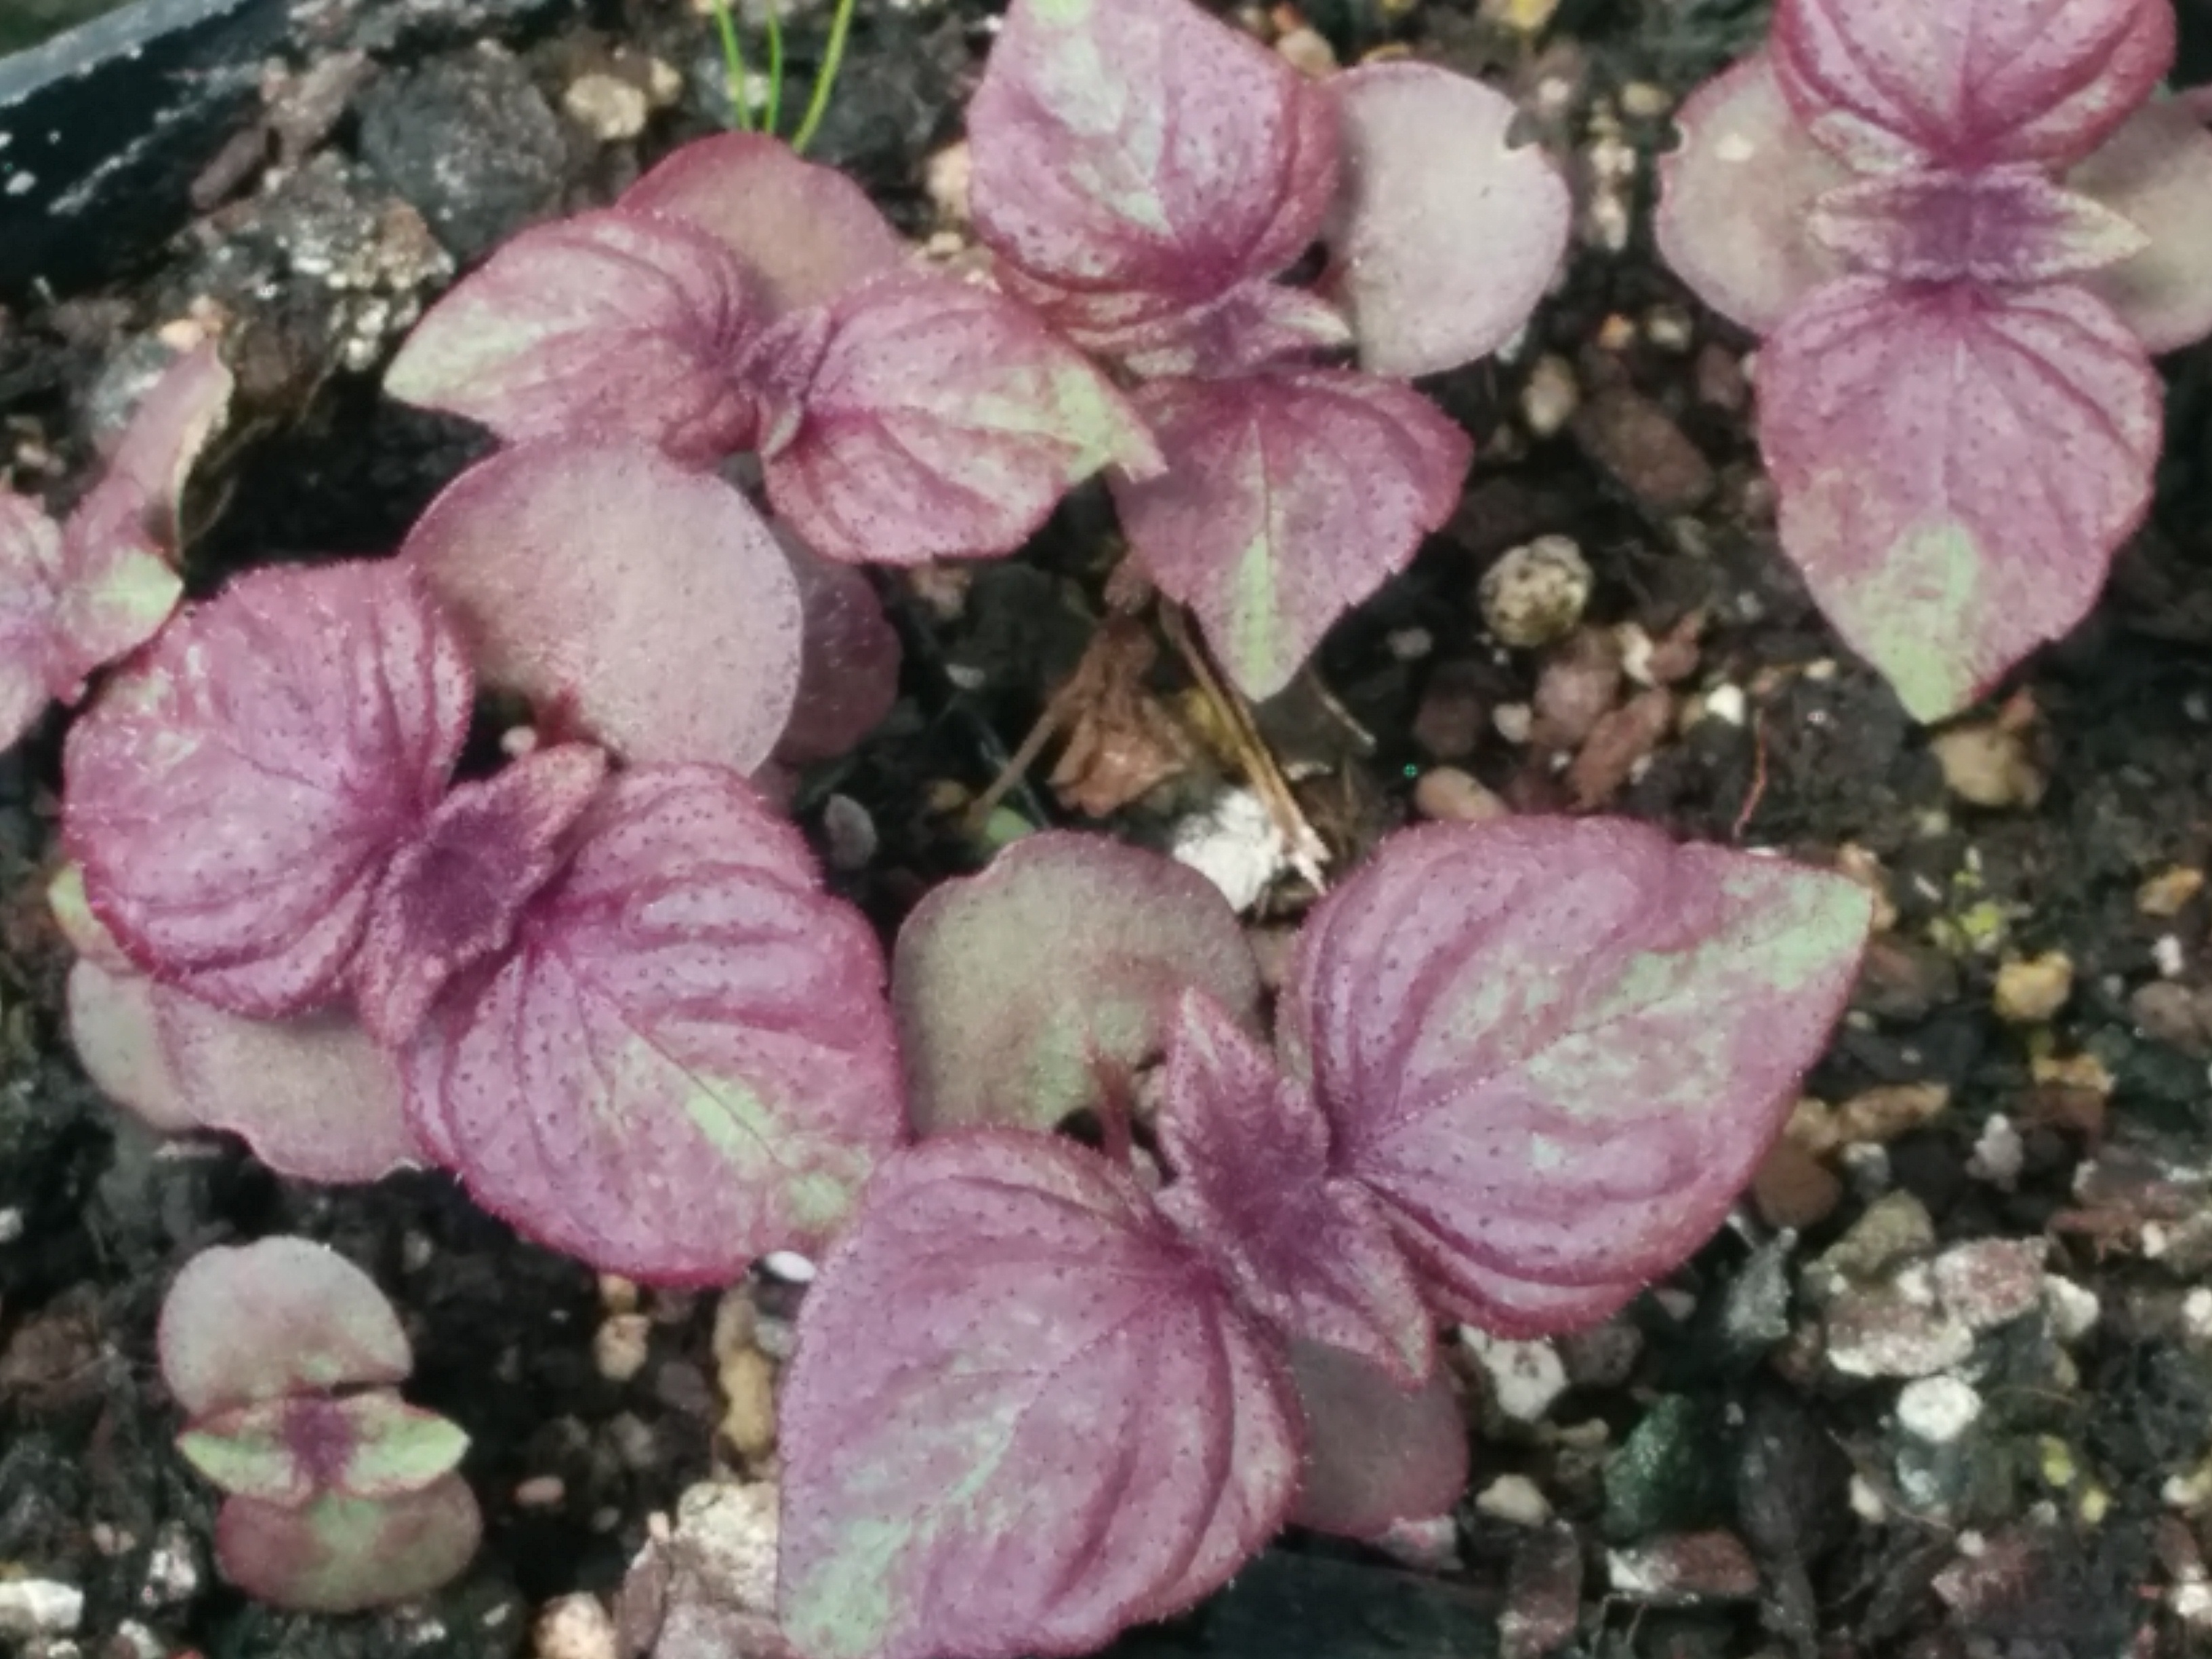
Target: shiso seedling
column 1963, row 230
column 1518, row 1071
column 286, row 1358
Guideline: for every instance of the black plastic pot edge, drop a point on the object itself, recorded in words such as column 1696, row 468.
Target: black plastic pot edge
column 103, row 129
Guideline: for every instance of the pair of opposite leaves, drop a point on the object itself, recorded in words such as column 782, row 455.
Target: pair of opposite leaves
column 1520, row 1070
column 1144, row 175
column 1962, row 228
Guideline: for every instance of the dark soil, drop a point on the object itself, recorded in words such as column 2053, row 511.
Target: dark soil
column 1723, row 1486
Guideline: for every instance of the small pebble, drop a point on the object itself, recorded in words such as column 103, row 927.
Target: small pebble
column 1999, row 1153
column 541, row 1491
column 2074, row 1307
column 747, row 1377
column 2169, row 958
column 39, row 1607
column 1525, row 1377
column 1937, row 1410
column 2166, row 894
column 1550, row 397
column 575, row 1627
column 1988, row 765
column 1308, row 51
column 789, row 1266
column 1535, row 593
column 620, row 1346
column 1515, row 1499
column 1684, row 1570
column 172, row 1569
column 607, row 107
column 1449, row 795
column 1991, row 1281
column 948, row 179
column 1880, row 1115
column 2029, row 992
column 1645, row 101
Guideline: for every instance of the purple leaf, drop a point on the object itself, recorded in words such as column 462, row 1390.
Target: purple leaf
column 1375, row 1452
column 1955, row 467
column 285, row 1451
column 1736, row 197
column 312, row 1095
column 614, row 322
column 1971, row 83
column 450, row 897
column 2002, row 225
column 1290, row 498
column 2156, row 171
column 1556, row 1050
column 1023, row 1414
column 1251, row 327
column 236, row 792
column 941, row 421
column 804, row 234
column 848, row 659
column 118, row 581
column 685, row 1060
column 1310, row 1254
column 244, row 1323
column 608, row 584
column 342, row 1555
column 1438, row 264
column 1010, row 1017
column 1136, row 159
column 30, row 572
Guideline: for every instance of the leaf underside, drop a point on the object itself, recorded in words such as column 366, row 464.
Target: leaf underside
column 342, row 1555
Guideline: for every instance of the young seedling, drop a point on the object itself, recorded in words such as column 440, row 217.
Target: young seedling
column 1145, row 175
column 1962, row 229
column 616, row 1003
column 1519, row 1071
column 76, row 596
column 285, row 1358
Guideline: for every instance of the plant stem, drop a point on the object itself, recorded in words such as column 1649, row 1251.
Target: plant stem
column 733, row 65
column 832, row 59
column 774, row 68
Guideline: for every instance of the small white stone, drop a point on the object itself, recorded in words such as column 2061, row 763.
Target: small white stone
column 1999, row 1153
column 2192, row 1604
column 39, row 1607
column 2197, row 1314
column 1234, row 844
column 789, row 1266
column 1514, row 722
column 1515, row 1499
column 1937, row 1410
column 726, row 1532
column 1866, row 1501
column 1550, row 399
column 621, row 1345
column 11, row 1226
column 134, row 1639
column 1726, row 703
column 2169, row 956
column 576, row 1628
column 2074, row 1307
column 172, row 1569
column 1525, row 1377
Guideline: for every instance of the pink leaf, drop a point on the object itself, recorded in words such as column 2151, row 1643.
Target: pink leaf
column 1971, row 83
column 117, row 581
column 1310, row 1254
column 1556, row 1050
column 249, row 1322
column 1955, row 468
column 804, row 234
column 685, row 1060
column 342, row 1555
column 1252, row 326
column 312, row 1097
column 2156, row 171
column 1135, row 159
column 1375, row 1452
column 287, row 1450
column 1290, row 498
column 942, row 420
column 450, row 899
column 613, row 322
column 848, row 659
column 2003, row 225
column 1008, row 1015
column 1735, row 194
column 234, row 795
column 605, row 582
column 30, row 572
column 1444, row 236
column 1023, row 1414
